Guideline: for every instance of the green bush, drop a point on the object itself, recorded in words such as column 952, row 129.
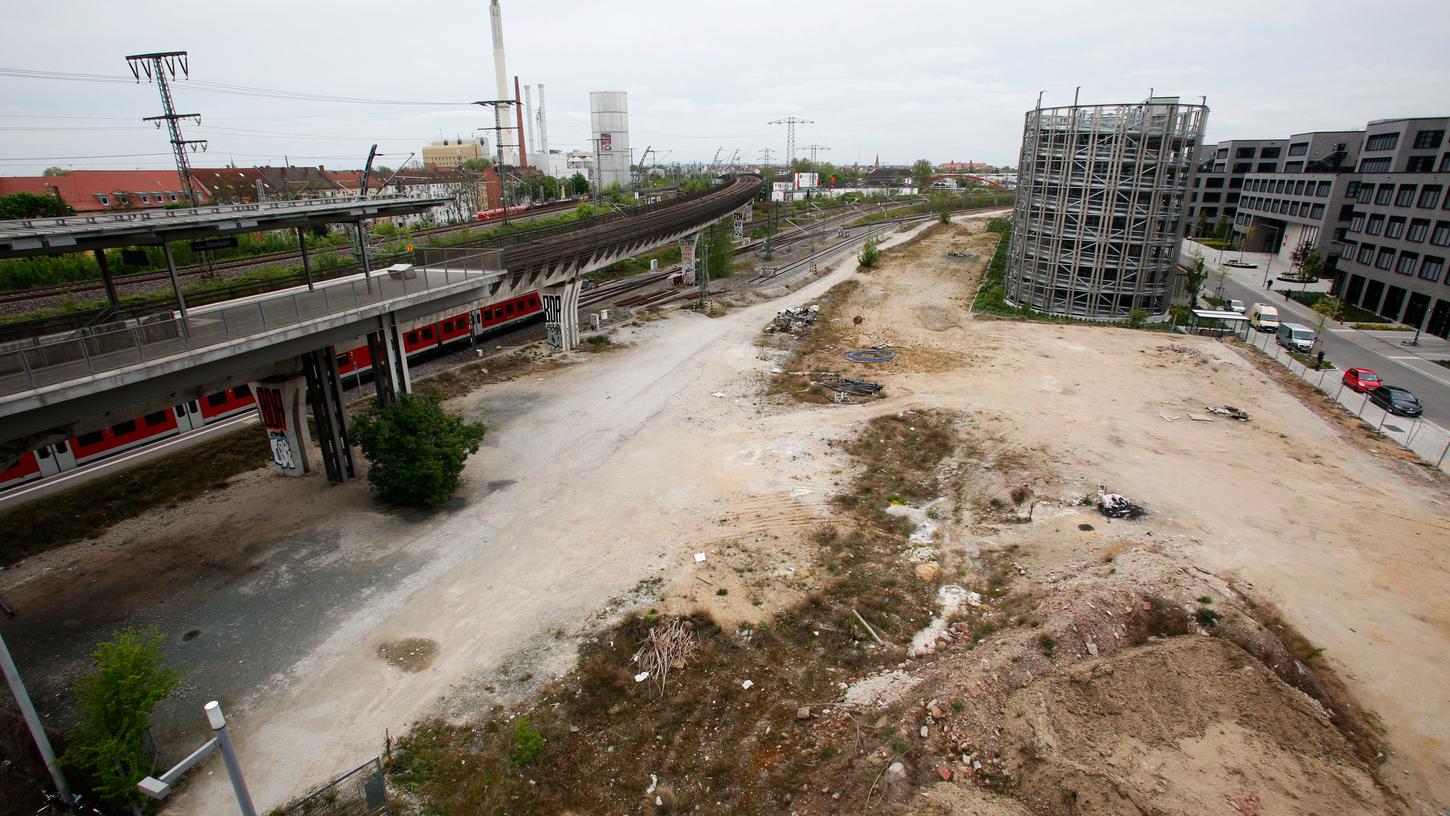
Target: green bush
column 1137, row 317
column 416, row 449
column 115, row 711
column 526, row 742
column 870, row 254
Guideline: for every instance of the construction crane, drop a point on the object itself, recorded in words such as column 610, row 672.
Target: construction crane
column 641, row 176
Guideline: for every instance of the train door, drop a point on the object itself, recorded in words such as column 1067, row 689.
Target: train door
column 55, row 458
column 188, row 416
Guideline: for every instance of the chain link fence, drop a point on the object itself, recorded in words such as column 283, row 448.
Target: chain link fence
column 360, row 792
column 1426, row 439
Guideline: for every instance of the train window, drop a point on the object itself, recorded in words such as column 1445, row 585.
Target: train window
column 217, row 400
column 243, row 390
column 509, row 307
column 156, row 419
column 89, row 439
column 410, row 337
column 428, row 333
column 60, row 447
column 43, row 453
column 487, row 314
column 123, row 428
column 344, row 359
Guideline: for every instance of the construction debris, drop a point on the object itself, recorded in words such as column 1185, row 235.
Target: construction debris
column 795, row 321
column 1228, row 411
column 1116, row 505
column 846, row 385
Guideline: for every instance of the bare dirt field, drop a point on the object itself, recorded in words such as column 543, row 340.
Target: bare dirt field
column 929, row 617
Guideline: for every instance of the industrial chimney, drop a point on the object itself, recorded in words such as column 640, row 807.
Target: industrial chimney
column 501, row 76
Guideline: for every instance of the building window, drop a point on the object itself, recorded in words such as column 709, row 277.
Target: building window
column 1269, row 153
column 105, row 200
column 1386, row 259
column 1406, row 265
column 1421, row 164
column 1244, row 153
column 1317, row 211
column 1445, row 163
column 1215, row 183
column 1395, row 228
column 1294, row 167
column 1385, row 193
column 1406, row 196
column 1298, row 149
column 1429, row 196
column 1441, row 235
column 1268, row 167
column 1374, row 165
column 1223, row 153
column 1357, row 225
column 1348, row 252
column 1294, row 208
column 1298, row 188
column 1322, row 191
column 1366, row 253
column 1431, row 268
column 1429, row 139
column 1352, row 191
column 1418, row 228
column 1279, row 186
column 1376, row 225
column 1382, row 141
column 1235, row 183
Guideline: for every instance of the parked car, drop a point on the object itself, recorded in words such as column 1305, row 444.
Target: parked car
column 1396, row 400
column 1295, row 337
column 1236, row 306
column 1361, row 380
column 1264, row 317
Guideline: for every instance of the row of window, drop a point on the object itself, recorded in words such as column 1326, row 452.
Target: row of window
column 1300, row 209
column 1318, row 189
column 1402, row 195
column 1248, row 153
column 1424, row 140
column 1396, row 226
column 1429, row 267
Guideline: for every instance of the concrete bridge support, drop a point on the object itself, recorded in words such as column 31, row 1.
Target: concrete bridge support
column 390, row 360
column 561, row 313
column 281, row 404
column 738, row 220
column 324, row 386
column 688, row 246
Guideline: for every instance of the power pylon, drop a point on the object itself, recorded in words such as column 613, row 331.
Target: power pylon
column 813, row 148
column 790, row 122
column 158, row 67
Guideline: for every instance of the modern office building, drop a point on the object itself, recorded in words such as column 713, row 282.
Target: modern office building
column 1102, row 195
column 1220, row 179
column 1392, row 253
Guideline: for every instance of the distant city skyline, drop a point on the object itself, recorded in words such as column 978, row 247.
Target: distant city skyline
column 935, row 80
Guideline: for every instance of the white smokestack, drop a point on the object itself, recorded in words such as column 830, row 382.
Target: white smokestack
column 543, row 127
column 529, row 117
column 501, row 74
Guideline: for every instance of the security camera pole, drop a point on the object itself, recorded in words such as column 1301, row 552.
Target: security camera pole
column 32, row 722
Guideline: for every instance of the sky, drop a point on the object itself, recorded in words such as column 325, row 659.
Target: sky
column 903, row 79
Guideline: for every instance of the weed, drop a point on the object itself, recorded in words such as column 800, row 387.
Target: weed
column 1311, row 654
column 598, row 340
column 1047, row 643
column 526, row 742
column 722, row 592
column 826, row 535
column 958, row 705
column 1207, row 618
column 1204, row 599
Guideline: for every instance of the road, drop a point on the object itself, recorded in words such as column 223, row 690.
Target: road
column 1411, row 368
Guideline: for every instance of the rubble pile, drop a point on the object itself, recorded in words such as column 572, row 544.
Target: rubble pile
column 796, row 321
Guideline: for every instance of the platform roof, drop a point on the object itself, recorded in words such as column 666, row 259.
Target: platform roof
column 85, row 232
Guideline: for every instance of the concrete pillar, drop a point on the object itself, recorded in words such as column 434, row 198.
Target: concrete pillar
column 740, row 216
column 175, row 281
column 280, row 403
column 561, row 313
column 687, row 257
column 329, row 412
column 391, row 376
column 306, row 267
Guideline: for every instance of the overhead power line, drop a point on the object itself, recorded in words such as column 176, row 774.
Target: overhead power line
column 204, row 86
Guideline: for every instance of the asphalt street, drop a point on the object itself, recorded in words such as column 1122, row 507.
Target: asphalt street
column 1404, row 366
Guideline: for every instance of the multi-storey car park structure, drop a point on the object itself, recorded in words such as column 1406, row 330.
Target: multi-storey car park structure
column 1101, row 195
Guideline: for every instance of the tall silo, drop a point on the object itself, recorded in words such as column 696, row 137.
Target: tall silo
column 1101, row 196
column 609, row 124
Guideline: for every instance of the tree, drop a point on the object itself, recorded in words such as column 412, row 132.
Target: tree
column 32, row 205
column 476, row 165
column 720, row 250
column 578, row 185
column 1222, row 229
column 115, row 711
column 415, row 449
column 55, row 171
column 1307, row 261
column 1329, row 307
column 1196, row 278
column 921, row 173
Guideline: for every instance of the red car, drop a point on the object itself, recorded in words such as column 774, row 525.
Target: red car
column 1361, row 379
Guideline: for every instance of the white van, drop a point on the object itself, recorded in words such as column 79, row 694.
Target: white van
column 1264, row 317
column 1295, row 337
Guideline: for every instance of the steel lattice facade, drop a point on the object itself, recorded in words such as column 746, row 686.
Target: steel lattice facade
column 1101, row 197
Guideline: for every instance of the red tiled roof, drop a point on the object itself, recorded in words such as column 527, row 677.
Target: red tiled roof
column 80, row 188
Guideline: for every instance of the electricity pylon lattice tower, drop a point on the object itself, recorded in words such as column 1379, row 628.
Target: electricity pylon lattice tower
column 162, row 67
column 790, row 122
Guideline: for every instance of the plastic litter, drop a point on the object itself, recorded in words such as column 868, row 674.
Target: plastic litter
column 1116, row 505
column 1229, row 411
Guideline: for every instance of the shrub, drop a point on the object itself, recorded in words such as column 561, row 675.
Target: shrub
column 526, row 742
column 115, row 709
column 416, row 449
column 1137, row 318
column 870, row 254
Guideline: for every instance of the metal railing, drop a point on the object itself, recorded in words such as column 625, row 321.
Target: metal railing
column 1425, row 439
column 36, row 363
column 360, row 792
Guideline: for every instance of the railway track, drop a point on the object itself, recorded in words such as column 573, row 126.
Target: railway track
column 232, row 264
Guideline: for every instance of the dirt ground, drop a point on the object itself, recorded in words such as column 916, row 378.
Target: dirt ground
column 324, row 622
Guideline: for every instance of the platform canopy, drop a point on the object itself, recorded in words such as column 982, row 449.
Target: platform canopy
column 96, row 231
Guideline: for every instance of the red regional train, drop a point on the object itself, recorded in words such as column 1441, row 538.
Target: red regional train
column 497, row 213
column 68, row 454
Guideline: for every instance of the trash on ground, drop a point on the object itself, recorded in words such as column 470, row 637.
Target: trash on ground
column 1199, row 417
column 1228, row 411
column 872, row 355
column 847, row 385
column 1170, row 418
column 699, row 557
column 1116, row 505
column 718, row 394
column 641, row 677
column 797, row 321
column 747, row 684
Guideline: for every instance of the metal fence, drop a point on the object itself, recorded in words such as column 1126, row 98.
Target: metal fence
column 46, row 361
column 1424, row 438
column 360, row 792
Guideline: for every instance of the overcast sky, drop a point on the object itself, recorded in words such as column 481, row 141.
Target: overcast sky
column 904, row 79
